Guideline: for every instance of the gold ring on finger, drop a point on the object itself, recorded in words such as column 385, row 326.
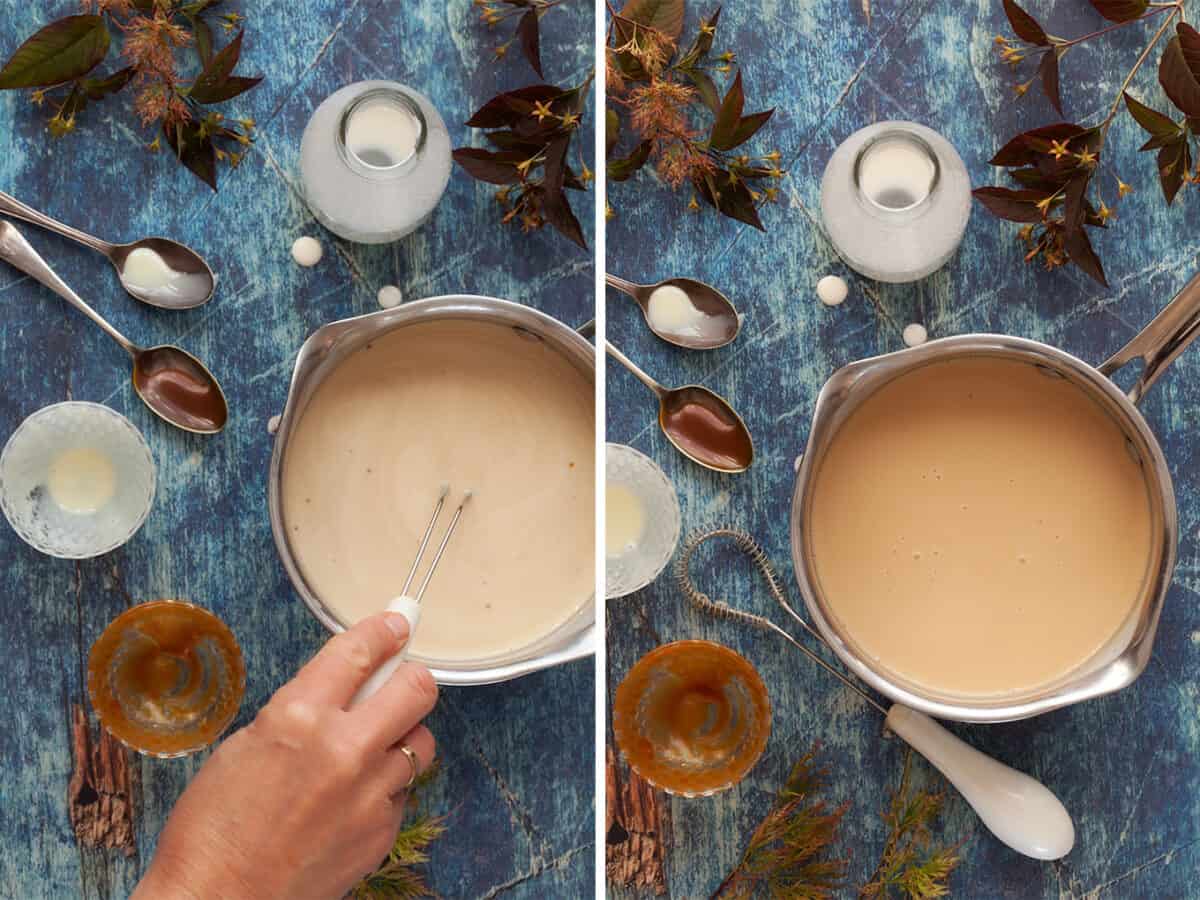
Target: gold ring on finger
column 413, row 763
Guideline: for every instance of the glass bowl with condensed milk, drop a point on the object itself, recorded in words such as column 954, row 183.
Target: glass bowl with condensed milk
column 984, row 527
column 385, row 411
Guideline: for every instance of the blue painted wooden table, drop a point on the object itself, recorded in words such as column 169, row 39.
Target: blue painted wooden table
column 518, row 772
column 1127, row 766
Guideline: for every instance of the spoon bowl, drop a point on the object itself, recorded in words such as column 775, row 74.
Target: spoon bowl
column 704, row 319
column 163, row 273
column 155, row 270
column 698, row 422
column 179, row 389
column 174, row 384
column 705, row 428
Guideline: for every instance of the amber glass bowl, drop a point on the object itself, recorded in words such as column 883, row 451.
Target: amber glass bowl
column 166, row 678
column 692, row 717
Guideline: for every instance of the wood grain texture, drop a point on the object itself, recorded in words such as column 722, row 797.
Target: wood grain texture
column 517, row 780
column 1127, row 766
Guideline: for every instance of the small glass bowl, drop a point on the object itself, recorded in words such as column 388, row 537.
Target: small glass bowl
column 634, row 568
column 166, row 678
column 27, row 464
column 692, row 718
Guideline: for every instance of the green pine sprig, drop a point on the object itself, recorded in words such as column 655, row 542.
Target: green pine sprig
column 786, row 854
column 397, row 878
column 911, row 866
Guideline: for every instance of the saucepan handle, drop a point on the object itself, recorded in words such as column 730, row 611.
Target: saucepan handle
column 1167, row 335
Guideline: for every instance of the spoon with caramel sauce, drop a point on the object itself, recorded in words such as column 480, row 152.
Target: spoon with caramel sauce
column 173, row 383
column 701, row 424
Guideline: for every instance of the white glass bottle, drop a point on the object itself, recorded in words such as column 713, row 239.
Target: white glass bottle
column 374, row 161
column 895, row 198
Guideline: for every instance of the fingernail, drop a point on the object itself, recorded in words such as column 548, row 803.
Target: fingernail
column 398, row 624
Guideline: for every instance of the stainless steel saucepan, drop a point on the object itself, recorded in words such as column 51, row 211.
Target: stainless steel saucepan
column 1115, row 665
column 323, row 352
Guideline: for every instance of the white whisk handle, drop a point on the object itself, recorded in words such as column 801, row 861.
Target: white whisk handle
column 411, row 610
column 1019, row 810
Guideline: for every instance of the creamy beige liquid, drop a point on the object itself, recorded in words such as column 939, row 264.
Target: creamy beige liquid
column 979, row 527
column 480, row 407
column 624, row 520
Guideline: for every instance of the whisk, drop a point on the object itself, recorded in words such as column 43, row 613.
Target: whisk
column 1019, row 810
column 408, row 605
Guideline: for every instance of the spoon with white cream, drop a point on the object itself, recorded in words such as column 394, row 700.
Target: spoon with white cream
column 155, row 270
column 684, row 312
column 171, row 382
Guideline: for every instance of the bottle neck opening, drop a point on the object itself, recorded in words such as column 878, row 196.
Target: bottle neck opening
column 381, row 133
column 896, row 173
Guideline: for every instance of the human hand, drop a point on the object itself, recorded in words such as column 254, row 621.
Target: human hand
column 307, row 799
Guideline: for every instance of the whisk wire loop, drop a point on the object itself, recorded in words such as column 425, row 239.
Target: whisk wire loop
column 720, row 609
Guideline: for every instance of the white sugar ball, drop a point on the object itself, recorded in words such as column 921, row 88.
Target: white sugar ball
column 915, row 334
column 389, row 296
column 306, row 251
column 832, row 290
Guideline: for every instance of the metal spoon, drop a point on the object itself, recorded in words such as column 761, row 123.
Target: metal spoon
column 173, row 383
column 701, row 424
column 194, row 286
column 722, row 322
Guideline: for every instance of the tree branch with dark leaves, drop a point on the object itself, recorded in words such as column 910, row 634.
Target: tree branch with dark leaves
column 656, row 93
column 58, row 63
column 1054, row 166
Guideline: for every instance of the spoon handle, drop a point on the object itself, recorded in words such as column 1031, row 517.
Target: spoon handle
column 16, row 251
column 14, row 207
column 1019, row 810
column 621, row 284
column 641, row 376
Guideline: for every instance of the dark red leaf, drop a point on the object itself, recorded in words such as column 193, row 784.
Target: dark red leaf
column 204, row 40
column 1025, row 25
column 705, row 88
column 612, row 130
column 57, row 53
column 664, row 15
column 1189, row 43
column 728, row 116
column 210, row 86
column 1177, row 79
column 703, row 42
column 557, row 211
column 1174, row 161
column 1022, row 150
column 573, row 181
column 1121, row 10
column 1049, row 72
column 556, row 163
column 505, row 110
column 1079, row 247
column 1015, row 206
column 229, row 88
column 99, row 88
column 193, row 150
column 1075, row 202
column 748, row 125
column 527, row 31
column 494, row 168
column 621, row 169
column 1159, row 141
column 1152, row 120
column 733, row 200
column 1035, row 179
column 76, row 102
column 509, row 140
